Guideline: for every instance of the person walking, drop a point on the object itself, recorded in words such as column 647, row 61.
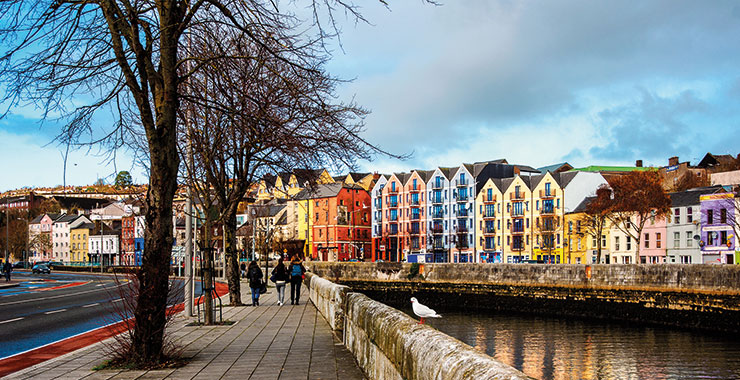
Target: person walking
column 280, row 275
column 296, row 271
column 254, row 275
column 7, row 268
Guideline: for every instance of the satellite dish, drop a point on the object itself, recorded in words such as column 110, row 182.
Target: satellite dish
column 697, row 237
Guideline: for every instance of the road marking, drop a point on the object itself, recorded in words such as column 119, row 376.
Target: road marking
column 55, row 311
column 11, row 320
column 54, row 297
column 118, row 300
column 99, row 285
column 92, row 304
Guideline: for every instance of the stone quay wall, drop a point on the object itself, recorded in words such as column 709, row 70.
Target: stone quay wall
column 705, row 297
column 388, row 344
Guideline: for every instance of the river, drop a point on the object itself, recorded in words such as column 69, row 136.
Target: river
column 557, row 348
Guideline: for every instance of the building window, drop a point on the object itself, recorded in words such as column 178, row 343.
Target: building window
column 647, row 240
column 689, row 215
column 677, row 216
column 689, row 239
column 616, row 243
column 629, row 243
column 657, row 240
column 603, row 241
column 723, row 237
column 686, row 259
column 710, row 216
column 710, row 238
column 723, row 216
column 676, row 240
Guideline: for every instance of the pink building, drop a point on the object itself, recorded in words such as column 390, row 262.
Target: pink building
column 653, row 242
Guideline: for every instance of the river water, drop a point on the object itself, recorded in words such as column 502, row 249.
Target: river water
column 556, row 348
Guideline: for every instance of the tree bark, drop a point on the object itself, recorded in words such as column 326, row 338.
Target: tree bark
column 232, row 257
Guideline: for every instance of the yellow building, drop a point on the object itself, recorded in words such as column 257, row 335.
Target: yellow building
column 78, row 253
column 490, row 215
column 581, row 237
column 547, row 226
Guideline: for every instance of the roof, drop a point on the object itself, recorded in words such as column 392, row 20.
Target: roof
column 582, row 206
column 597, row 168
column 81, row 202
column 269, row 180
column 691, row 197
column 710, row 160
column 555, row 168
column 358, row 176
column 86, row 226
column 67, row 218
column 325, row 190
column 307, row 175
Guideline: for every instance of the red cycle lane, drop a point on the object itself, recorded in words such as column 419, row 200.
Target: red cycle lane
column 41, row 354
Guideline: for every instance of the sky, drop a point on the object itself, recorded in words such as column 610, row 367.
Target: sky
column 587, row 82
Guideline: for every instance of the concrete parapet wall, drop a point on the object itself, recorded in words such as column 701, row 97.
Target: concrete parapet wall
column 329, row 299
column 388, row 344
column 675, row 277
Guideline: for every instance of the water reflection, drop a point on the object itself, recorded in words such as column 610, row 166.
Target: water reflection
column 550, row 348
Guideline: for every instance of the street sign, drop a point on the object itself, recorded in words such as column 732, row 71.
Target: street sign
column 382, row 247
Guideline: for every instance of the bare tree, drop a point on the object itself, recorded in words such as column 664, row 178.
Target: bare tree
column 596, row 217
column 265, row 110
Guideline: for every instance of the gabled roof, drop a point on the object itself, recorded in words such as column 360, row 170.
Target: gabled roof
column 555, row 168
column 325, row 190
column 448, row 172
column 711, row 160
column 85, row 226
column 691, row 197
column 358, row 176
column 269, row 180
column 403, row 177
column 426, row 175
column 564, row 178
column 526, row 169
column 283, row 220
column 597, row 168
column 307, row 175
column 67, row 219
column 284, row 178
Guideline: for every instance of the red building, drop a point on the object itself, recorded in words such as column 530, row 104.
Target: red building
column 341, row 222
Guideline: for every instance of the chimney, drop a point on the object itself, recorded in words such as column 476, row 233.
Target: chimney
column 638, row 163
column 673, row 161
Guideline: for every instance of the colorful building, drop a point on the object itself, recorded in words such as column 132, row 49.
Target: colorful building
column 79, row 238
column 654, row 243
column 341, row 222
column 684, row 226
column 719, row 225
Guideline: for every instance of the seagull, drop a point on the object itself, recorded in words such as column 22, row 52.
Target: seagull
column 423, row 311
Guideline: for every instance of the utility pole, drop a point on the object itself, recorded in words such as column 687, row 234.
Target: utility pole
column 188, row 253
column 7, row 228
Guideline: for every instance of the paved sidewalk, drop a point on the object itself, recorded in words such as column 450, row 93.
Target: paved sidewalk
column 266, row 342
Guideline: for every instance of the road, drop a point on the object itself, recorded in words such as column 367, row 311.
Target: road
column 50, row 307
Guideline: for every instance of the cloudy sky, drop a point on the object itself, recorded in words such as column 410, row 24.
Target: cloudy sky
column 588, row 82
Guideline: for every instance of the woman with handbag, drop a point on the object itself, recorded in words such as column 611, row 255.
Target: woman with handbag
column 280, row 277
column 254, row 274
column 296, row 271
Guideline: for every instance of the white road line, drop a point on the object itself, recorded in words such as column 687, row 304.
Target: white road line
column 99, row 285
column 118, row 300
column 11, row 320
column 59, row 296
column 92, row 304
column 55, row 311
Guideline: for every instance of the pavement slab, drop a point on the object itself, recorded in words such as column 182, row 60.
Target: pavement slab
column 265, row 342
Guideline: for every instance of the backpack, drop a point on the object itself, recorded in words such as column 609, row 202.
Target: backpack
column 296, row 271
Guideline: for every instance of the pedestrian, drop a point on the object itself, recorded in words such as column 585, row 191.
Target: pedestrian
column 280, row 277
column 243, row 270
column 254, row 274
column 7, row 268
column 296, row 271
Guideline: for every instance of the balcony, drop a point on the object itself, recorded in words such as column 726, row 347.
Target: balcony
column 438, row 215
column 517, row 247
column 489, row 231
column 462, row 244
column 514, row 196
column 414, row 189
column 393, row 230
column 415, row 202
column 516, row 213
column 462, row 183
column 438, row 186
column 517, row 231
column 462, row 199
column 438, row 245
column 492, row 199
column 437, row 230
column 489, row 216
column 544, row 194
column 393, row 204
column 462, row 213
column 392, row 190
column 490, row 247
column 437, row 200
column 415, row 216
column 461, row 230
column 547, row 211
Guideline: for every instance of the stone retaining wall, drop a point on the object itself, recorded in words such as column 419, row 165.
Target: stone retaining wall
column 389, row 344
column 689, row 277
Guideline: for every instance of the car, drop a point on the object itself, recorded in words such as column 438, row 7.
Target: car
column 19, row 264
column 41, row 268
column 53, row 264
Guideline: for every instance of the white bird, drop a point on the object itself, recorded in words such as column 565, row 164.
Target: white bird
column 423, row 311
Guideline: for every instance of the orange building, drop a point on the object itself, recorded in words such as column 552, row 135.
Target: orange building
column 341, row 222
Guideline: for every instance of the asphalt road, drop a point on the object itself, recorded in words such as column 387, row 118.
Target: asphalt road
column 51, row 307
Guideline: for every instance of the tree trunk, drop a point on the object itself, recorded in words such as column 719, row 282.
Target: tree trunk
column 207, row 268
column 598, row 244
column 232, row 258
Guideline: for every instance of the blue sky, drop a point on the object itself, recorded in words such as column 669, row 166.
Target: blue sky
column 588, row 82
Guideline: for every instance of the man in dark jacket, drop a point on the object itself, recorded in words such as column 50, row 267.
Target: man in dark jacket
column 7, row 268
column 254, row 274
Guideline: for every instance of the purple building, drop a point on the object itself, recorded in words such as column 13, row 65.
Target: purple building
column 718, row 227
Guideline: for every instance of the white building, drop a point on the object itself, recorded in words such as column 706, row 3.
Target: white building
column 60, row 235
column 683, row 227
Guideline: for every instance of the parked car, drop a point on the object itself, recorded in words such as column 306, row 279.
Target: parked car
column 18, row 264
column 53, row 264
column 41, row 268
